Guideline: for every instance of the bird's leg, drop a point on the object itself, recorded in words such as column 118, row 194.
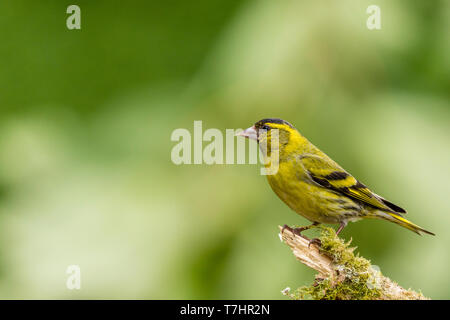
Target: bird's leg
column 342, row 226
column 298, row 231
column 315, row 241
column 319, row 243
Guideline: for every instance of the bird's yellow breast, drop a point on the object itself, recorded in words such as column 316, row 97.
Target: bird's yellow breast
column 294, row 188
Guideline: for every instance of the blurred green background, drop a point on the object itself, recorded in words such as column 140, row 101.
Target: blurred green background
column 86, row 118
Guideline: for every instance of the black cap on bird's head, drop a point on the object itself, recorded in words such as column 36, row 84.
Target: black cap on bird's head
column 267, row 122
column 264, row 124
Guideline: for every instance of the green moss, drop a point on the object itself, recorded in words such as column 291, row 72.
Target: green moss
column 355, row 277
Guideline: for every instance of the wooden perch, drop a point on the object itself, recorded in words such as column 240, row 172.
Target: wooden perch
column 341, row 274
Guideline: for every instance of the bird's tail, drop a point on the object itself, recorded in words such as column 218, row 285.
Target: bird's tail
column 396, row 218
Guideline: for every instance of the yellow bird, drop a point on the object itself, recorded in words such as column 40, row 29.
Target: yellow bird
column 315, row 186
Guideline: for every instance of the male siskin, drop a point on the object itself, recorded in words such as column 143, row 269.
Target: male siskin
column 315, row 186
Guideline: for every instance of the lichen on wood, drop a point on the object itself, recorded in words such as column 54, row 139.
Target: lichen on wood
column 342, row 274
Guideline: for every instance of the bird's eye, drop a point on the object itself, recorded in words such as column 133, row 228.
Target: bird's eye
column 265, row 127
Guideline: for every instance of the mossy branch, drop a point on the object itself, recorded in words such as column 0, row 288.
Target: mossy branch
column 342, row 275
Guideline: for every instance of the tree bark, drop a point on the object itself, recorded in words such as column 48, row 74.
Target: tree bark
column 352, row 278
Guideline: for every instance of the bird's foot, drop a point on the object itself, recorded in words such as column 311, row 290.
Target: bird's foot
column 286, row 227
column 315, row 241
column 296, row 231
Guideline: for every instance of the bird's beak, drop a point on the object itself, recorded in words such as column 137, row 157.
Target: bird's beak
column 249, row 133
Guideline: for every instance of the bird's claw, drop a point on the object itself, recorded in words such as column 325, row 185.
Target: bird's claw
column 296, row 231
column 315, row 241
column 286, row 227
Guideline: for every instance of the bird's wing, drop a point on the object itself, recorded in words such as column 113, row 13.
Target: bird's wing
column 329, row 174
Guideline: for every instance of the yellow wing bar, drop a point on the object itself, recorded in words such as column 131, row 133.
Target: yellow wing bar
column 329, row 174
